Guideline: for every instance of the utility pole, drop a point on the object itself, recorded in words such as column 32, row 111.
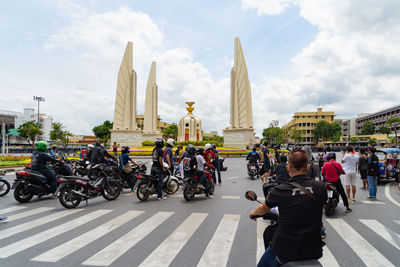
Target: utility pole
column 38, row 99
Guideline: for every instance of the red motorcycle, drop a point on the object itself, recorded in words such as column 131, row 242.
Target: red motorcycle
column 192, row 187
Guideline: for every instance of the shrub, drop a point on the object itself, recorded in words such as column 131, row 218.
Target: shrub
column 199, row 143
column 148, row 143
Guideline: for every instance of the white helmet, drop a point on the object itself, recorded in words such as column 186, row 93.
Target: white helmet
column 171, row 142
column 90, row 146
column 207, row 146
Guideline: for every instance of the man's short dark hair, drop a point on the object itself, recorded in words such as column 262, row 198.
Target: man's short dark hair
column 298, row 160
column 349, row 149
column 265, row 143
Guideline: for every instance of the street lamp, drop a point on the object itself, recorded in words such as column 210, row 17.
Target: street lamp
column 38, row 99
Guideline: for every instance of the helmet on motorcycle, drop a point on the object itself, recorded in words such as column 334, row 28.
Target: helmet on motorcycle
column 159, row 142
column 53, row 146
column 200, row 151
column 208, row 146
column 41, row 145
column 125, row 149
column 171, row 142
column 90, row 146
column 191, row 150
column 372, row 150
column 214, row 146
column 331, row 156
column 189, row 145
column 254, row 149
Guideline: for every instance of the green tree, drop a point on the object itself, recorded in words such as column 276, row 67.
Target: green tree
column 322, row 130
column 102, row 132
column 214, row 138
column 296, row 135
column 171, row 131
column 372, row 141
column 384, row 130
column 368, row 128
column 354, row 139
column 58, row 133
column 273, row 134
column 394, row 122
column 29, row 130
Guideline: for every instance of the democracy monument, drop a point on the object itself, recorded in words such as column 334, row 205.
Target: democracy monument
column 125, row 132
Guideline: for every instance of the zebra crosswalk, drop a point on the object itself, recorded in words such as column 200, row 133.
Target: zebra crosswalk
column 19, row 238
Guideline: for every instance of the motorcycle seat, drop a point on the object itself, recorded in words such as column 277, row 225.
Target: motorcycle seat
column 38, row 174
column 73, row 177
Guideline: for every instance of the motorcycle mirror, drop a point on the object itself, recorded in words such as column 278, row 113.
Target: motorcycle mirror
column 251, row 195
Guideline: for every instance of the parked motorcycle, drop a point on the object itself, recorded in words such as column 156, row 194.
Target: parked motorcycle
column 148, row 184
column 4, row 185
column 333, row 198
column 191, row 186
column 81, row 167
column 252, row 170
column 30, row 183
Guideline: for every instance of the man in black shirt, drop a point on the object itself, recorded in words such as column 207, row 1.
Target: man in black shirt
column 298, row 235
column 158, row 169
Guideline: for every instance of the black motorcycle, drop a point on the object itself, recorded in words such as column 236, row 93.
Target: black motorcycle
column 252, row 169
column 81, row 167
column 4, row 185
column 30, row 183
column 333, row 198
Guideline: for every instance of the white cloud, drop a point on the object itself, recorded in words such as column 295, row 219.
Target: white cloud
column 268, row 7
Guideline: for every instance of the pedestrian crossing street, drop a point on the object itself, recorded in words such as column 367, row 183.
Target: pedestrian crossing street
column 216, row 252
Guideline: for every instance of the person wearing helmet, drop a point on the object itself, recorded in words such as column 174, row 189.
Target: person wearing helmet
column 253, row 157
column 216, row 162
column 106, row 154
column 209, row 157
column 158, row 169
column 168, row 154
column 96, row 154
column 189, row 162
column 53, row 151
column 38, row 163
column 200, row 171
column 372, row 173
column 331, row 171
column 126, row 168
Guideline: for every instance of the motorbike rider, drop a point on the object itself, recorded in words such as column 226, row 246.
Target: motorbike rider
column 282, row 175
column 106, row 154
column 200, row 171
column 96, row 154
column 38, row 163
column 297, row 236
column 158, row 169
column 168, row 154
column 124, row 159
column 253, row 157
column 52, row 151
column 267, row 163
column 209, row 157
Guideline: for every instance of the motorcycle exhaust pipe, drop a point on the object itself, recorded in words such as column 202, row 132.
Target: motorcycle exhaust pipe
column 79, row 194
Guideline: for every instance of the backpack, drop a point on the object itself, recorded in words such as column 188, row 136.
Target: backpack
column 188, row 164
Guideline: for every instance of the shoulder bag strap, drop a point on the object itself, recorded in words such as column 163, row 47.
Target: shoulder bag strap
column 313, row 197
column 338, row 172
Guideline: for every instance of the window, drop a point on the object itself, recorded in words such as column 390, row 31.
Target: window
column 323, row 117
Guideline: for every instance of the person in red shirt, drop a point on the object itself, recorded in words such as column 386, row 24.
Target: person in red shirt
column 209, row 157
column 331, row 172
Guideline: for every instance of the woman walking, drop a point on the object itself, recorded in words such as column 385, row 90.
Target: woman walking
column 363, row 168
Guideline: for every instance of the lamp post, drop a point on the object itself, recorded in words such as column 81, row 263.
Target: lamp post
column 38, row 99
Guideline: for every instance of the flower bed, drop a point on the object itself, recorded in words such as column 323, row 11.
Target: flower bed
column 12, row 163
column 13, row 158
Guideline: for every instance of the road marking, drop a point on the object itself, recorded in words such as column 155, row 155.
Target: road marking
column 384, row 232
column 129, row 194
column 219, row 248
column 373, row 202
column 177, row 195
column 261, row 225
column 230, row 197
column 387, row 193
column 28, row 213
column 364, row 250
column 108, row 255
column 233, row 177
column 165, row 253
column 32, row 224
column 11, row 209
column 79, row 242
column 48, row 234
column 328, row 260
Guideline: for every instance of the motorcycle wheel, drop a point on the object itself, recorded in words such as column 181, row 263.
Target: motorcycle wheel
column 172, row 187
column 68, row 199
column 4, row 188
column 142, row 193
column 22, row 196
column 212, row 188
column 189, row 192
column 111, row 190
column 328, row 209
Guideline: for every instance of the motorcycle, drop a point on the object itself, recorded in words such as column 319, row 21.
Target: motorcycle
column 81, row 167
column 30, row 183
column 191, row 185
column 4, row 185
column 268, row 232
column 122, row 177
column 74, row 189
column 333, row 198
column 97, row 170
column 148, row 184
column 252, row 170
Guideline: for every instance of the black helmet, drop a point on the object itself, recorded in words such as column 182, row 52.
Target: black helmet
column 200, row 151
column 191, row 150
column 254, row 148
column 372, row 149
column 125, row 149
column 331, row 156
column 214, row 146
column 159, row 142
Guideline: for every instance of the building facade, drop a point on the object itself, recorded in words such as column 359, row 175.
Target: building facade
column 161, row 125
column 378, row 119
column 30, row 115
column 305, row 122
column 349, row 126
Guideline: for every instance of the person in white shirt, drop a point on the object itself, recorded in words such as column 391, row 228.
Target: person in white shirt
column 350, row 161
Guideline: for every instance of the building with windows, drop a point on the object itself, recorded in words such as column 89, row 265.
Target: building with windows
column 161, row 125
column 349, row 127
column 305, row 123
column 378, row 118
column 30, row 115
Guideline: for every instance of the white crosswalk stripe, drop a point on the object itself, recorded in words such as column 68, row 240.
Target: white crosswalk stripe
column 219, row 248
column 328, row 260
column 112, row 252
column 35, row 223
column 384, row 232
column 11, row 209
column 46, row 235
column 73, row 245
column 165, row 253
column 367, row 253
column 27, row 213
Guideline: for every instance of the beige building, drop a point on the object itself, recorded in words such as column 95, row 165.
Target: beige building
column 189, row 127
column 305, row 122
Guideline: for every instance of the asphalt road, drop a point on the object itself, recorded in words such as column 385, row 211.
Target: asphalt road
column 204, row 232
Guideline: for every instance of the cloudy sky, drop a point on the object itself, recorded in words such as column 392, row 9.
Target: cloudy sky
column 341, row 55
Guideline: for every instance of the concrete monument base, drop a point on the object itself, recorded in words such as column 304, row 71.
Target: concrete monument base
column 131, row 138
column 238, row 137
column 151, row 136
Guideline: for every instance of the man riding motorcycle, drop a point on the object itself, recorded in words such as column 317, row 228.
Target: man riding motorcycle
column 96, row 154
column 39, row 161
column 253, row 157
column 200, row 171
